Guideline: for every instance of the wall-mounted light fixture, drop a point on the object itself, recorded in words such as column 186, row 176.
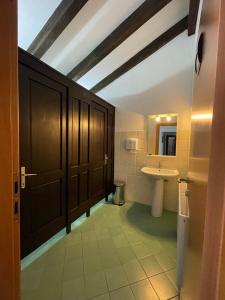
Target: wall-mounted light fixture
column 208, row 116
column 163, row 117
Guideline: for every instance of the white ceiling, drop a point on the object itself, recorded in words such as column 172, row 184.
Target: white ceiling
column 160, row 83
column 32, row 15
column 96, row 20
column 171, row 65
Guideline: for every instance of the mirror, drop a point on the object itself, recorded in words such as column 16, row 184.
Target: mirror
column 162, row 134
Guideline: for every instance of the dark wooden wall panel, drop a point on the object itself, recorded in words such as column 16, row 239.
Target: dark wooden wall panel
column 110, row 150
column 72, row 148
column 48, row 196
column 75, row 128
column 85, row 133
column 98, row 151
column 98, row 181
column 84, row 186
column 74, row 191
column 43, row 153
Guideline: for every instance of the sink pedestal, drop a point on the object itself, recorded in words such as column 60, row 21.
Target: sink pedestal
column 158, row 175
column 157, row 203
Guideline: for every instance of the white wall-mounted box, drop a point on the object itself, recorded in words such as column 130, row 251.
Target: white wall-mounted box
column 131, row 144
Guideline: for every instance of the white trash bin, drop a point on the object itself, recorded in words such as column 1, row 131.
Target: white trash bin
column 118, row 197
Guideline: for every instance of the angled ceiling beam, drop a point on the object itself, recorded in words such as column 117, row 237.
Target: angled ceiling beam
column 55, row 25
column 141, row 15
column 193, row 15
column 158, row 43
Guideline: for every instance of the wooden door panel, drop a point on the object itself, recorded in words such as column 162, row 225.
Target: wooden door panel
column 79, row 153
column 199, row 155
column 110, row 141
column 110, row 150
column 46, row 127
column 42, row 152
column 75, row 132
column 98, row 136
column 74, row 191
column 85, row 133
column 49, row 197
column 84, row 186
column 98, row 181
column 9, row 157
column 110, row 177
column 98, row 151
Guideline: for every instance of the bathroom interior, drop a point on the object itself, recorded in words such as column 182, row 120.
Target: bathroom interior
column 114, row 148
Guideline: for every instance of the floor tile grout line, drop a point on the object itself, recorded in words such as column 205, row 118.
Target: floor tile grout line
column 133, row 292
column 175, row 286
column 121, row 262
column 129, row 284
column 161, row 273
column 170, row 282
column 153, row 288
column 123, row 288
column 63, row 269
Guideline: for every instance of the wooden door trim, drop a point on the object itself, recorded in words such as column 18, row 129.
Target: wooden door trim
column 213, row 275
column 9, row 157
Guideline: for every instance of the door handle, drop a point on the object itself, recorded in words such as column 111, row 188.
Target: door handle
column 27, row 175
column 180, row 180
column 23, row 177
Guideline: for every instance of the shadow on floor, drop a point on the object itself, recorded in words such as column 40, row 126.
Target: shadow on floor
column 139, row 215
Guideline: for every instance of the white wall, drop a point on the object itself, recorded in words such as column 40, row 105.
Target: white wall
column 139, row 188
column 161, row 84
column 128, row 121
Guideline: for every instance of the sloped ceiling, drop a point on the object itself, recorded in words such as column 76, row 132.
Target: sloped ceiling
column 32, row 16
column 161, row 79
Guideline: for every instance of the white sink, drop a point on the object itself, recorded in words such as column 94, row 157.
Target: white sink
column 159, row 176
column 159, row 173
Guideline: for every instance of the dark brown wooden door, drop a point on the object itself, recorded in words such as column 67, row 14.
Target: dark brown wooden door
column 42, row 152
column 110, row 150
column 79, row 156
column 98, row 153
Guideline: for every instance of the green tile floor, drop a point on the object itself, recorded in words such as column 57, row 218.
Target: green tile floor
column 119, row 253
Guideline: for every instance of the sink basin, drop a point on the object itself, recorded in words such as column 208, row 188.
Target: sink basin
column 159, row 176
column 159, row 173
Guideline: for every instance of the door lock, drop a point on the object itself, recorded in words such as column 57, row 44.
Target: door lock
column 23, row 177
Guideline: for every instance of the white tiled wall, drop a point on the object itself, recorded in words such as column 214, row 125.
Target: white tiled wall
column 139, row 188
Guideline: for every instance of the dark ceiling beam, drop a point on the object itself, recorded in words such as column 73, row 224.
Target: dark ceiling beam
column 158, row 43
column 55, row 25
column 193, row 15
column 141, row 15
